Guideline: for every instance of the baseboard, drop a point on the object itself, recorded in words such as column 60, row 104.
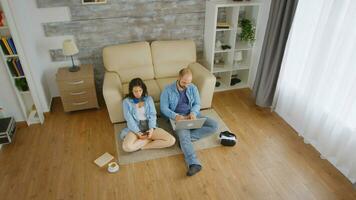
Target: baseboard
column 49, row 108
column 21, row 124
column 50, row 104
column 47, row 112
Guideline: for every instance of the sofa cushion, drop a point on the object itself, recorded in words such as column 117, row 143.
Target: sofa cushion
column 152, row 89
column 171, row 56
column 158, row 109
column 163, row 82
column 129, row 61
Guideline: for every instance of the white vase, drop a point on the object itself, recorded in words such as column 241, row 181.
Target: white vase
column 218, row 45
column 238, row 57
column 239, row 30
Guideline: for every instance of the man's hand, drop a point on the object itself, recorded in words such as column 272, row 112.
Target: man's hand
column 180, row 117
column 192, row 116
column 150, row 132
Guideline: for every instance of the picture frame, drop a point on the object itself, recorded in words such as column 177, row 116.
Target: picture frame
column 86, row 2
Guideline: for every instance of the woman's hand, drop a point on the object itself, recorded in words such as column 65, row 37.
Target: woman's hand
column 141, row 104
column 142, row 136
column 150, row 132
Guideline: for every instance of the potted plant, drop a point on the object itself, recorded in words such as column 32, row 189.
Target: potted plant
column 247, row 31
column 21, row 84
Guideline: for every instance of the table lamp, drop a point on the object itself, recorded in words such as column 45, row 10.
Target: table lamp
column 70, row 49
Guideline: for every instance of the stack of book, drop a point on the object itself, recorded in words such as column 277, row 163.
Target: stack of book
column 222, row 25
column 8, row 46
column 15, row 67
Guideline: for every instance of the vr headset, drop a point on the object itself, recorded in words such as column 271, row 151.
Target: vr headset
column 227, row 138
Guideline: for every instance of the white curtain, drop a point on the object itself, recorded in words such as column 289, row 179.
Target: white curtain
column 316, row 92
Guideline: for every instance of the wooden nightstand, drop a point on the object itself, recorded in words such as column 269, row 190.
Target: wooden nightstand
column 77, row 89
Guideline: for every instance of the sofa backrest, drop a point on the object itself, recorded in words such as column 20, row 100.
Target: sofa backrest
column 171, row 56
column 129, row 61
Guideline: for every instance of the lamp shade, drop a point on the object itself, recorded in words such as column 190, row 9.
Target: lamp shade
column 69, row 48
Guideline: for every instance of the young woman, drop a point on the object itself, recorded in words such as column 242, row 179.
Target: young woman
column 140, row 114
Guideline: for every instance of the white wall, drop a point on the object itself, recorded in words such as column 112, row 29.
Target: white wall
column 29, row 19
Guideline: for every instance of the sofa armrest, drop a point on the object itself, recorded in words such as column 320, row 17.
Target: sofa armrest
column 112, row 92
column 205, row 82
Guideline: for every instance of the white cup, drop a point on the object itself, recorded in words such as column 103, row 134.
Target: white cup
column 113, row 167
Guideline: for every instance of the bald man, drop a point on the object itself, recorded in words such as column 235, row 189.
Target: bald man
column 180, row 101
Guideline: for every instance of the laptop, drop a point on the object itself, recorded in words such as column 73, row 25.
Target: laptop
column 187, row 124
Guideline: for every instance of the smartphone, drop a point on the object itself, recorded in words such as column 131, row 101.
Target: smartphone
column 144, row 133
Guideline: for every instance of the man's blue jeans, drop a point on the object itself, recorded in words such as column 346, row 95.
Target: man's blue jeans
column 187, row 136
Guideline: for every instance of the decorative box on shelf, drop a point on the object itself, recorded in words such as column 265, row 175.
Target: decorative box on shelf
column 7, row 129
column 77, row 89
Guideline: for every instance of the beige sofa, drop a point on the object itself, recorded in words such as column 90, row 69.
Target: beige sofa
column 158, row 65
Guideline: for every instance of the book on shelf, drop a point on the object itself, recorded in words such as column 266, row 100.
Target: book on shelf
column 4, row 40
column 19, row 67
column 13, row 62
column 222, row 25
column 12, row 69
column 8, row 45
column 4, row 48
column 12, row 45
column 15, row 67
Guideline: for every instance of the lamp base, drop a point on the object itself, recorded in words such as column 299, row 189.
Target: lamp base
column 74, row 68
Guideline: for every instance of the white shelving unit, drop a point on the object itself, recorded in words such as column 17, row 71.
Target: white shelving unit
column 26, row 101
column 230, row 12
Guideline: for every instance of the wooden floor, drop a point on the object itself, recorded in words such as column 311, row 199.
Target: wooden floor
column 55, row 161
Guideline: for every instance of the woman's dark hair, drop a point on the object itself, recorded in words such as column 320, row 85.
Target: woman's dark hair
column 137, row 82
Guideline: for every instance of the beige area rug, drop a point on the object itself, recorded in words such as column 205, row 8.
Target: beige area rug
column 142, row 155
